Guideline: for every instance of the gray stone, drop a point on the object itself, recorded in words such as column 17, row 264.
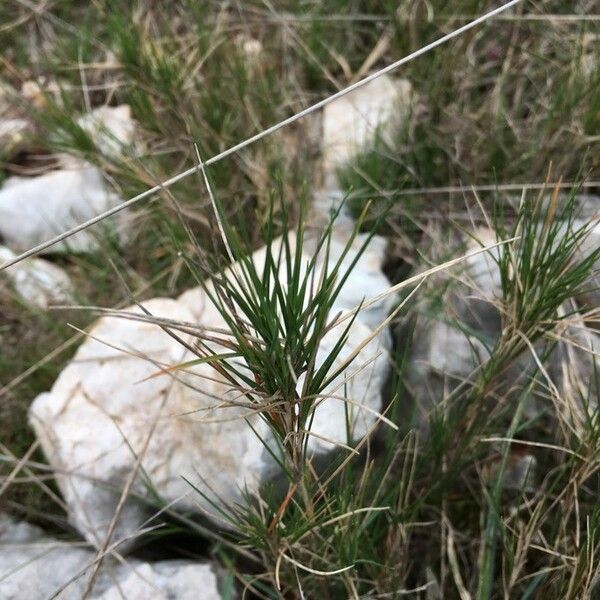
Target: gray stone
column 352, row 123
column 34, row 566
column 575, row 369
column 37, row 281
column 456, row 332
column 35, row 209
column 111, row 128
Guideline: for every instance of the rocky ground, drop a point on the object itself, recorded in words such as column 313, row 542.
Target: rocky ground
column 194, row 409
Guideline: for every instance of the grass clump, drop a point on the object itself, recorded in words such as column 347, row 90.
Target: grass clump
column 418, row 510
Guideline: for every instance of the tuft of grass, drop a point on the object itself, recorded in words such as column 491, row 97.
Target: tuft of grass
column 356, row 527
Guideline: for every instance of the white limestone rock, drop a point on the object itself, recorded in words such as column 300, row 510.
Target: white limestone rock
column 574, row 367
column 102, row 409
column 110, row 127
column 37, row 281
column 34, row 566
column 455, row 335
column 365, row 281
column 35, row 209
column 482, row 272
column 351, row 123
column 96, row 419
column 166, row 580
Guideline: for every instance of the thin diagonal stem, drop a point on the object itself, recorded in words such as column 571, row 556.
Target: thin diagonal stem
column 259, row 136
